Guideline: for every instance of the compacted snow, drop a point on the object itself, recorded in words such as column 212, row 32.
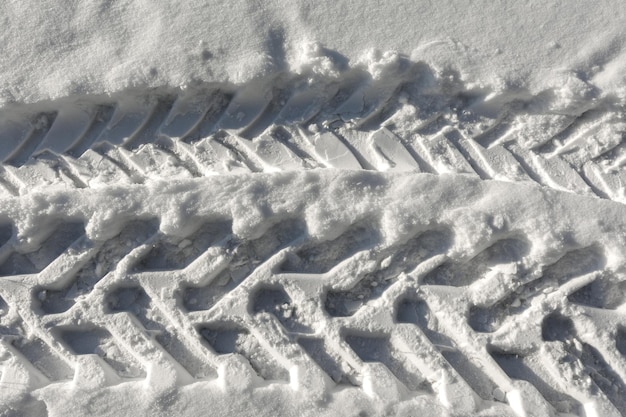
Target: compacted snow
column 312, row 208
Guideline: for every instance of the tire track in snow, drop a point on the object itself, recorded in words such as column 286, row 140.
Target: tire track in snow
column 351, row 122
column 397, row 319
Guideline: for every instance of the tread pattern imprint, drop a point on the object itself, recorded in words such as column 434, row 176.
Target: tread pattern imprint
column 471, row 302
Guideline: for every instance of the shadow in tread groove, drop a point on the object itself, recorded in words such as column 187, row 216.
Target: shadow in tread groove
column 356, row 153
column 558, row 328
column 516, row 368
column 415, row 311
column 148, row 132
column 36, row 261
column 6, row 232
column 454, row 137
column 4, row 307
column 372, row 348
column 620, row 340
column 100, row 121
column 44, row 359
column 207, row 124
column 247, row 255
column 135, row 301
column 58, row 165
column 106, row 260
column 171, row 254
column 603, row 375
column 459, row 274
column 8, row 327
column 98, row 341
column 275, row 301
column 39, row 127
column 601, row 293
column 321, row 257
column 267, row 117
column 226, row 338
column 284, row 137
column 574, row 263
column 329, row 109
column 401, row 259
column 111, row 154
column 235, row 151
column 317, row 350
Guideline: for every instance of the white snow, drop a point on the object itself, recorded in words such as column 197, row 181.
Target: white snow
column 404, row 205
column 569, row 56
column 54, row 49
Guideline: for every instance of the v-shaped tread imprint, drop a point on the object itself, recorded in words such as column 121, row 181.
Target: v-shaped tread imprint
column 160, row 240
column 396, row 318
column 355, row 122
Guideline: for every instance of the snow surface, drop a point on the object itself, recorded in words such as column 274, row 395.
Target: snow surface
column 53, row 49
column 330, row 201
column 567, row 53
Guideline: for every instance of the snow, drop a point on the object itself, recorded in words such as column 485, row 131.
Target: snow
column 405, row 205
column 59, row 48
column 365, row 228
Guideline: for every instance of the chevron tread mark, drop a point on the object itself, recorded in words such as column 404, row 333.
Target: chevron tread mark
column 107, row 282
column 271, row 277
column 323, row 124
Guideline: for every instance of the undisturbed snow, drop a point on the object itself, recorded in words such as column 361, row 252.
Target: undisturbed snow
column 53, row 49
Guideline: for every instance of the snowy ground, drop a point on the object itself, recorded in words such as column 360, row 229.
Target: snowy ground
column 56, row 49
column 335, row 208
